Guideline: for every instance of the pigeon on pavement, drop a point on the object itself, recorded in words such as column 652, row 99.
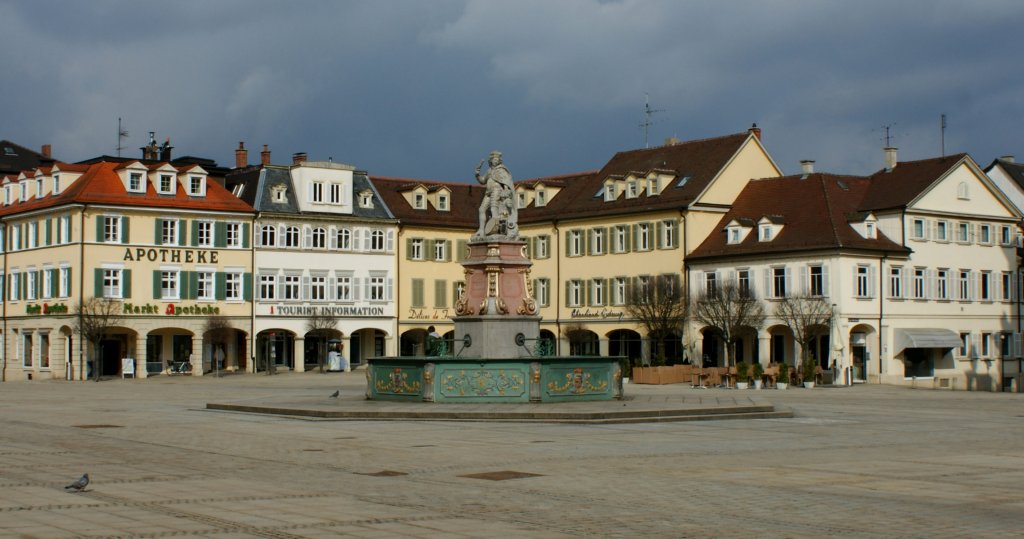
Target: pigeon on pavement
column 80, row 484
column 335, row 394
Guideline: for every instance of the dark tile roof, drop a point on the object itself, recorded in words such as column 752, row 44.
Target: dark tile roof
column 15, row 158
column 814, row 209
column 1014, row 170
column 464, row 203
column 906, row 181
column 101, row 185
column 698, row 160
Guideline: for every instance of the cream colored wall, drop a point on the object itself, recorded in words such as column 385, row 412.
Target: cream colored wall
column 750, row 162
column 429, row 271
column 943, row 197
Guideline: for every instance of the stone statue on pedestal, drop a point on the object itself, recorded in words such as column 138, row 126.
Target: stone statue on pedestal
column 498, row 212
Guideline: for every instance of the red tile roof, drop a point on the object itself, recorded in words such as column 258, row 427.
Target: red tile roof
column 907, row 180
column 100, row 184
column 465, row 200
column 816, row 212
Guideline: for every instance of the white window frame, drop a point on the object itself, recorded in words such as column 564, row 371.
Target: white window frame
column 268, row 286
column 268, row 235
column 942, row 284
column 542, row 292
column 111, row 229
column 575, row 243
column 233, row 234
column 233, row 283
column 574, row 297
column 416, row 248
column 206, row 285
column 204, row 233
column 896, row 282
column 291, row 287
column 113, row 278
column 167, row 189
column 169, row 231
column 170, row 283
column 197, row 186
column 643, row 237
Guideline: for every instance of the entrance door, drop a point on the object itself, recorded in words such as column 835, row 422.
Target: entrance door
column 110, row 351
column 860, row 363
column 355, row 354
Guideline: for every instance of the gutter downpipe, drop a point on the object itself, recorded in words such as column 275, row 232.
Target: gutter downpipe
column 683, row 232
column 253, row 288
column 81, row 291
column 3, row 290
column 881, row 313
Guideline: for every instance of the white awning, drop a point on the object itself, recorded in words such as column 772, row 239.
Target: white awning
column 926, row 338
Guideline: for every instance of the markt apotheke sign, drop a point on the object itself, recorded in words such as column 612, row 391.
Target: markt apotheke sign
column 170, row 309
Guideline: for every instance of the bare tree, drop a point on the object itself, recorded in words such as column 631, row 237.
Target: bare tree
column 94, row 319
column 661, row 308
column 323, row 323
column 729, row 309
column 217, row 331
column 807, row 317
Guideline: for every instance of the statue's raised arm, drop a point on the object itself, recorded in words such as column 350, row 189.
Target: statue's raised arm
column 498, row 212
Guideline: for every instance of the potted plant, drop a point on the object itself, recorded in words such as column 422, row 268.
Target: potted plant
column 757, row 373
column 742, row 374
column 782, row 382
column 810, row 370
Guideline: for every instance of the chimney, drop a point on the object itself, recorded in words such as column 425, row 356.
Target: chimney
column 1005, row 158
column 807, row 166
column 298, row 157
column 672, row 141
column 165, row 150
column 149, row 151
column 265, row 155
column 890, row 158
column 46, row 151
column 755, row 130
column 241, row 156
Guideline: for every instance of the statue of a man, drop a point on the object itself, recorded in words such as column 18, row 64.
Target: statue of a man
column 498, row 213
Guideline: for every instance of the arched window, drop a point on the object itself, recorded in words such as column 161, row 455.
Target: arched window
column 268, row 235
column 377, row 240
column 319, row 238
column 344, row 239
column 291, row 236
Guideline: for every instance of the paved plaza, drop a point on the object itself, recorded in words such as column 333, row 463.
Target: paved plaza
column 867, row 461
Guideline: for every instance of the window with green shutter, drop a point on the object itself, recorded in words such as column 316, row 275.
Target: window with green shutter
column 440, row 294
column 124, row 230
column 417, row 293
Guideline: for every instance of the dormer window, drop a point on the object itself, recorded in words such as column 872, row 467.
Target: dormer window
column 765, row 233
column 419, row 201
column 442, row 202
column 24, row 190
column 733, row 236
column 166, row 184
column 631, row 189
column 366, row 199
column 870, row 231
column 56, row 184
column 135, row 182
column 609, row 192
column 521, row 200
column 652, row 187
column 39, row 188
column 279, row 193
column 540, row 198
column 197, row 186
column 7, row 194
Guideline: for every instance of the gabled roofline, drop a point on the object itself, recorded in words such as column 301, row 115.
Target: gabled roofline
column 757, row 141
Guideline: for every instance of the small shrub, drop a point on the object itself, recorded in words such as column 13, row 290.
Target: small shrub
column 810, row 368
column 783, row 373
column 742, row 371
column 758, row 371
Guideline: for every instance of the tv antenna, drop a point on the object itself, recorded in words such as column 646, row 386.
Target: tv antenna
column 889, row 135
column 122, row 134
column 942, row 134
column 648, row 112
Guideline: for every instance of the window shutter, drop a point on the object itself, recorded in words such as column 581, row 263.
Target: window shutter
column 124, row 229
column 872, row 281
column 193, row 285
column 306, row 288
column 567, row 243
column 220, row 281
column 195, row 233
column 588, row 241
column 332, row 238
column 408, row 248
column 824, row 280
column 388, row 289
column 417, row 293
column 805, row 280
column 528, row 247
column 156, row 284
column 628, row 237
column 126, row 283
column 929, row 284
column 461, row 246
column 389, row 238
column 660, row 230
column 97, row 276
column 220, row 234
column 247, row 286
column 280, row 235
column 182, row 232
column 357, row 239
column 99, row 232
column 307, row 237
column 1016, row 345
column 447, row 250
column 48, row 236
column 568, row 302
column 589, row 292
column 53, row 283
column 332, row 288
column 768, row 292
column 440, row 294
column 245, row 235
column 455, row 292
column 357, row 288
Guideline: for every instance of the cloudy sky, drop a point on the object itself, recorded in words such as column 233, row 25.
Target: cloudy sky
column 426, row 89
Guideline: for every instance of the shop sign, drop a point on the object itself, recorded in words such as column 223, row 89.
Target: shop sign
column 423, row 314
column 177, row 256
column 596, row 313
column 325, row 310
column 171, row 309
column 46, row 308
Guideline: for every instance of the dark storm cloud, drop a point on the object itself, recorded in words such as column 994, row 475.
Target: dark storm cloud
column 426, row 89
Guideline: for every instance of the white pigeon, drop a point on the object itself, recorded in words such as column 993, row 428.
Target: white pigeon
column 335, row 394
column 80, row 484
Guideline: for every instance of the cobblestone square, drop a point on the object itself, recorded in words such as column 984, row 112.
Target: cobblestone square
column 866, row 461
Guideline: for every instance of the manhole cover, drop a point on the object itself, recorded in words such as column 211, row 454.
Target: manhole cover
column 96, row 426
column 500, row 476
column 384, row 473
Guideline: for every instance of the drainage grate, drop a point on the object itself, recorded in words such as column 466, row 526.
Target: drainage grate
column 312, row 449
column 542, row 442
column 96, row 426
column 425, row 445
column 501, row 476
column 384, row 473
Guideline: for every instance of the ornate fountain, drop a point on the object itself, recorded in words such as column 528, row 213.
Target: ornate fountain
column 496, row 357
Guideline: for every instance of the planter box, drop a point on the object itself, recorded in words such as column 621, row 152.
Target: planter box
column 781, row 385
column 808, row 385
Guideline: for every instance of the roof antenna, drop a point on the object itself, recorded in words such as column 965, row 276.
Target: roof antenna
column 942, row 134
column 121, row 135
column 648, row 112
